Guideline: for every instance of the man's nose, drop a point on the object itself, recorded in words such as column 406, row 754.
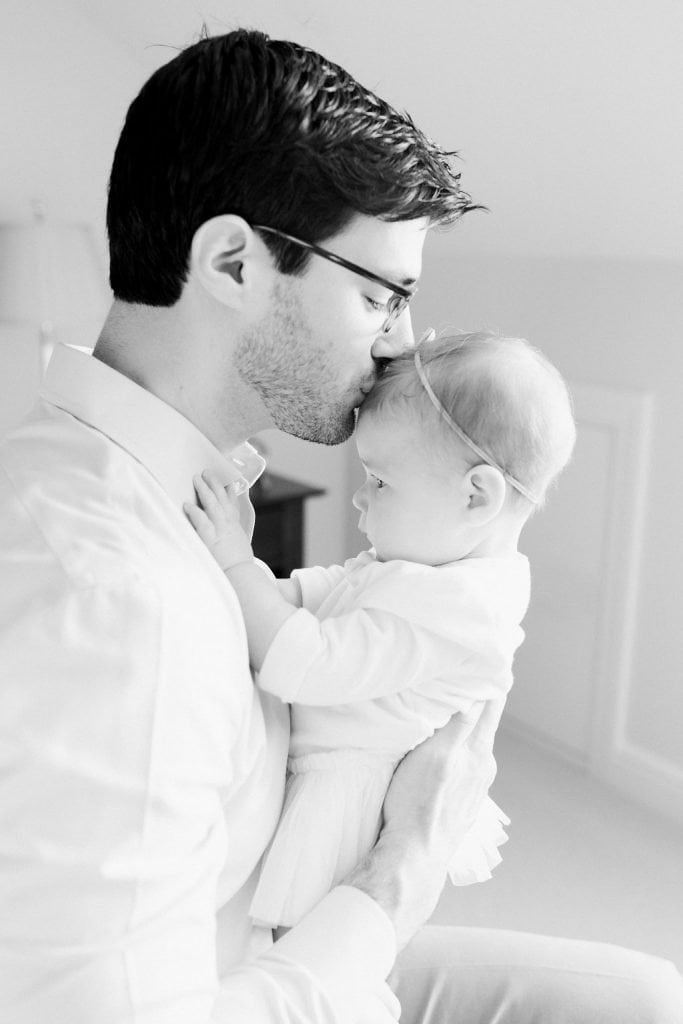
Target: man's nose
column 397, row 340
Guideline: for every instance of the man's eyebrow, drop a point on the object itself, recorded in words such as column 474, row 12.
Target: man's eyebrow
column 389, row 277
column 409, row 283
column 395, row 278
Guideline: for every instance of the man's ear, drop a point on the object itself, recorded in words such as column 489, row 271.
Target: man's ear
column 486, row 491
column 221, row 250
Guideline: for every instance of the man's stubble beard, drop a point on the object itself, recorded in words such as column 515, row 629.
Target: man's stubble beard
column 280, row 360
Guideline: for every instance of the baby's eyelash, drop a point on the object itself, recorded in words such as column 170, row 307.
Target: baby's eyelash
column 374, row 304
column 378, row 481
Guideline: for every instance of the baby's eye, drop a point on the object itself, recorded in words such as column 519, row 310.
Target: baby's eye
column 378, row 483
column 374, row 304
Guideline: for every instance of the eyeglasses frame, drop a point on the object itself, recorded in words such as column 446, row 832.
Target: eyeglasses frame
column 400, row 297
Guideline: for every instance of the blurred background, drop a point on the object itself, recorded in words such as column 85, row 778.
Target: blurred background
column 569, row 122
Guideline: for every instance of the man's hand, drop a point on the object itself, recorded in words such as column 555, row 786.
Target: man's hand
column 434, row 798
column 216, row 520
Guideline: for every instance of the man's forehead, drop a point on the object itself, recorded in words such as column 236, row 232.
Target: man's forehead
column 394, row 247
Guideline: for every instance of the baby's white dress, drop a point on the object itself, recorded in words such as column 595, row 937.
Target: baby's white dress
column 379, row 656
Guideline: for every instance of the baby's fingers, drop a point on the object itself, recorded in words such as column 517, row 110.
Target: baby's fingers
column 200, row 521
column 210, row 498
column 206, row 499
column 225, row 496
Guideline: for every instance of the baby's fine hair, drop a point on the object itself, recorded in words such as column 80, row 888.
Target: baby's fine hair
column 502, row 392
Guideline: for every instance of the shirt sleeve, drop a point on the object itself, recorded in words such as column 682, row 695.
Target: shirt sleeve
column 329, row 969
column 113, row 836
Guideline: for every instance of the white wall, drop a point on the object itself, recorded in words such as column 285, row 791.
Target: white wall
column 64, row 89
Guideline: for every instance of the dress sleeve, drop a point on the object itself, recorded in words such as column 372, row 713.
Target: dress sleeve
column 365, row 654
column 409, row 628
column 317, row 583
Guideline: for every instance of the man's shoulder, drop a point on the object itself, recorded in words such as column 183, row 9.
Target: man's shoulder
column 71, row 497
column 53, row 453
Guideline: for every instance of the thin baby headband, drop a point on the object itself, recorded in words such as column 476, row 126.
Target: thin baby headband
column 464, row 437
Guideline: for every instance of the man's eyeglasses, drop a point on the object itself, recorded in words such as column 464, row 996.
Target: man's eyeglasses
column 400, row 296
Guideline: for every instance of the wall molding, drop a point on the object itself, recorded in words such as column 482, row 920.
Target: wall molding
column 625, row 418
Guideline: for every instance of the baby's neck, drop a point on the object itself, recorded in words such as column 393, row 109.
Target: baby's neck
column 494, row 547
column 499, row 540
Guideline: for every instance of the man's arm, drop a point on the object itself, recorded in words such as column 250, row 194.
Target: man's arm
column 116, row 778
column 328, row 969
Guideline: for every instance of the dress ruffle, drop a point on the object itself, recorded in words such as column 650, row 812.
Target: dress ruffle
column 330, row 820
column 478, row 855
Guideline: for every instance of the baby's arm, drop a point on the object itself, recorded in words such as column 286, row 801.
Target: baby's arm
column 266, row 603
column 362, row 654
column 290, row 590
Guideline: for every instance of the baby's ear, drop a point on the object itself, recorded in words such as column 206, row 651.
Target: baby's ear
column 486, row 492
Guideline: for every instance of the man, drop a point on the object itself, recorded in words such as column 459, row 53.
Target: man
column 266, row 221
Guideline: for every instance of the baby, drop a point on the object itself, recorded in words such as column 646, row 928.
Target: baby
column 460, row 440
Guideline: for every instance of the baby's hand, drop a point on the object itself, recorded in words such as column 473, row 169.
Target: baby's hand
column 216, row 520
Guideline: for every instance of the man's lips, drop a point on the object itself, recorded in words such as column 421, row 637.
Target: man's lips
column 367, row 385
column 363, row 392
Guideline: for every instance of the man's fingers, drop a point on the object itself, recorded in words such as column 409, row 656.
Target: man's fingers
column 444, row 746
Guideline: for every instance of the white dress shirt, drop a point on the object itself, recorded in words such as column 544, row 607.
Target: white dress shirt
column 141, row 772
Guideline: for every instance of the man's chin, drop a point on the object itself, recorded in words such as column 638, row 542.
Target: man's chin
column 328, row 433
column 337, row 428
column 316, row 417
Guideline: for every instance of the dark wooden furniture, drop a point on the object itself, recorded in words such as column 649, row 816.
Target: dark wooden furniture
column 279, row 530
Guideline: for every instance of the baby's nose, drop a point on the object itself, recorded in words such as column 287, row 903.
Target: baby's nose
column 358, row 499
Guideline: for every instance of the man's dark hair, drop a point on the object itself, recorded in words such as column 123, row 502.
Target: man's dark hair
column 274, row 133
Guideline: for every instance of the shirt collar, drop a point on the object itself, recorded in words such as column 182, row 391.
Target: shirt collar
column 153, row 432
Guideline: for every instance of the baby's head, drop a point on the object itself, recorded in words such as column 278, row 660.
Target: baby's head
column 478, row 411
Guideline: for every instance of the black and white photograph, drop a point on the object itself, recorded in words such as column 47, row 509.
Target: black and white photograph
column 341, row 363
